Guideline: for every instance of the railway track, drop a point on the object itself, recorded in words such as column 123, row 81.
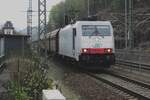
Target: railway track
column 130, row 86
column 133, row 64
column 126, row 78
column 137, row 75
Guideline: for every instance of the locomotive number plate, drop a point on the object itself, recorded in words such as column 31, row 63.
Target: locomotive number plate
column 97, row 45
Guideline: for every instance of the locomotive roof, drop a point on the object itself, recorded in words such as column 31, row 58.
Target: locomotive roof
column 93, row 22
column 54, row 33
column 78, row 23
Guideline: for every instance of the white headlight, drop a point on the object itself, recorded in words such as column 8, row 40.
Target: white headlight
column 85, row 50
column 109, row 50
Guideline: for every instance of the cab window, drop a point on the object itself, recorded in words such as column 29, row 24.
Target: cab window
column 96, row 30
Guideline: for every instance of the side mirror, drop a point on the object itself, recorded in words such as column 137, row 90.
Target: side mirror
column 66, row 20
column 74, row 32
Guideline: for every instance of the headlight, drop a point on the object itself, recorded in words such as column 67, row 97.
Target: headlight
column 84, row 50
column 108, row 50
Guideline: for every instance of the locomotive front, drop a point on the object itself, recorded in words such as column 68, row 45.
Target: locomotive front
column 97, row 43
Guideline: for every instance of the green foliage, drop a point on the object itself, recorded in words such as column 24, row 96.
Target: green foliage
column 73, row 8
column 78, row 9
column 31, row 79
column 36, row 78
column 17, row 92
column 56, row 16
column 117, row 4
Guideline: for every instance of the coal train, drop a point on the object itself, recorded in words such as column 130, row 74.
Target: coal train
column 84, row 41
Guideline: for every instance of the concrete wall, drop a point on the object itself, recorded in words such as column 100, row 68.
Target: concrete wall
column 1, row 47
column 1, row 50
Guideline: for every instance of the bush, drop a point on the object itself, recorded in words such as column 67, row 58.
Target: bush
column 30, row 78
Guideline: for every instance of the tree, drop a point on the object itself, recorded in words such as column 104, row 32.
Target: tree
column 75, row 9
column 56, row 17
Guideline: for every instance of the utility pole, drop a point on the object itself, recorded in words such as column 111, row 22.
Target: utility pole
column 88, row 8
column 105, row 1
column 131, row 35
column 41, row 20
column 126, row 25
column 94, row 7
column 29, row 19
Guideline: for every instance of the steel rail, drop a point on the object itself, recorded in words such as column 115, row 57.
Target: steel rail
column 140, row 83
column 133, row 64
column 133, row 93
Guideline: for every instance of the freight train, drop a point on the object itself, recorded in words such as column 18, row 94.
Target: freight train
column 84, row 41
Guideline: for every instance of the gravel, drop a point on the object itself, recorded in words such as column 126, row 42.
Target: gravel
column 78, row 86
column 86, row 86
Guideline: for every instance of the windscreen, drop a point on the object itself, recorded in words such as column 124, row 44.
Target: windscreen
column 96, row 30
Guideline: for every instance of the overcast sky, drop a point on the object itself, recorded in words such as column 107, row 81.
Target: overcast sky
column 14, row 10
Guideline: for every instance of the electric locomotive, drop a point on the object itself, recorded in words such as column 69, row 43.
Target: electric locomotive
column 85, row 41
